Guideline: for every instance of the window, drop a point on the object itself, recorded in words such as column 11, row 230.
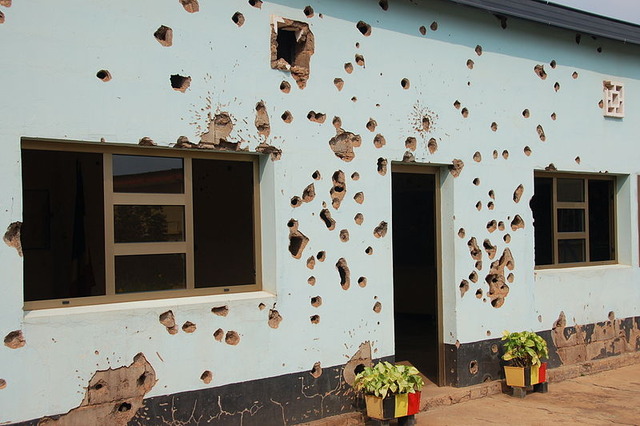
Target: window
column 573, row 219
column 613, row 99
column 104, row 223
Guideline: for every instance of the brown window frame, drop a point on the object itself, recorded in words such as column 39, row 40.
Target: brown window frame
column 111, row 199
column 578, row 205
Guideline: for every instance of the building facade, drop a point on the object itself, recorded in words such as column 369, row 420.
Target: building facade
column 219, row 211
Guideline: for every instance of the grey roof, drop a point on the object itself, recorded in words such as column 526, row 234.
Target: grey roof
column 560, row 16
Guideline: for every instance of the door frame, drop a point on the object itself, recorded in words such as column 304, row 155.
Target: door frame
column 418, row 168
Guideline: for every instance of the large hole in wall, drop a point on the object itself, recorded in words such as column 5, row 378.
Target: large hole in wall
column 292, row 44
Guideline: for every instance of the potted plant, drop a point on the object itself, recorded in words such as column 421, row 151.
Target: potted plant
column 390, row 390
column 524, row 352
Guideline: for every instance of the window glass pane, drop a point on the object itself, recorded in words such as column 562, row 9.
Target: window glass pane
column 150, row 272
column 541, row 207
column 570, row 220
column 145, row 224
column 63, row 225
column 158, row 175
column 223, row 218
column 570, row 251
column 570, row 190
column 601, row 241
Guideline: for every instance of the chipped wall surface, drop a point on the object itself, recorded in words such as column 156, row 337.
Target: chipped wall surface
column 420, row 81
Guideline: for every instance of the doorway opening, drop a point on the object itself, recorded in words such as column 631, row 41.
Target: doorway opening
column 417, row 310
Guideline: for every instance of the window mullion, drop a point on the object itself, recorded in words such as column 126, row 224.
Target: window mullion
column 587, row 244
column 108, row 225
column 554, row 219
column 188, row 217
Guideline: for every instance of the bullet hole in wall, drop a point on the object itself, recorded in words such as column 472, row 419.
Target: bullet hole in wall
column 541, row 134
column 495, row 154
column 479, row 205
column 218, row 334
column 490, row 205
column 169, row 321
column 337, row 123
column 525, row 113
column 503, row 21
column 3, row 383
column 369, row 250
column 343, row 144
column 344, row 235
column 339, row 188
column 311, row 262
column 432, row 145
column 180, row 83
column 405, row 83
column 384, row 4
column 348, row 67
column 600, row 104
column 164, row 35
column 491, row 194
column 473, row 367
column 434, row 26
column 464, row 112
column 474, row 250
column 476, row 181
column 345, row 274
column 275, row 318
column 359, row 60
column 599, row 49
column 221, row 311
column 371, row 125
column 362, row 282
column 232, row 338
column 517, row 194
column 382, row 166
column 492, row 225
column 316, row 371
column 478, row 265
column 507, row 238
column 311, row 280
column 494, row 126
column 316, row 175
column 316, row 117
column 256, row 3
column 339, row 83
column 505, row 154
column 423, row 30
column 411, row 143
column 517, row 223
column 381, row 230
column 556, row 86
column 540, row 72
column 364, row 28
column 206, row 377
column 292, row 45
column 296, row 201
column 461, row 233
column 489, row 248
column 190, row 6
column 15, row 340
column 261, row 306
column 456, row 104
column 456, row 167
column 553, row 116
column 527, row 151
column 377, row 307
column 510, row 278
column 464, row 287
column 287, row 117
column 2, row 18
column 478, row 50
column 359, row 197
column 325, row 216
column 12, row 236
column 501, row 226
column 321, row 256
column 358, row 218
column 297, row 240
column 553, row 64
column 470, row 64
column 315, row 319
column 308, row 12
column 473, row 277
column 238, row 19
column 477, row 157
column 479, row 293
column 104, row 75
column 574, row 75
column 188, row 327
column 379, row 141
column 316, row 301
column 285, row 87
column 577, row 160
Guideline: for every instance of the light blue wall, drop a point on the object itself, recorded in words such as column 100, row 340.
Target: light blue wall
column 50, row 53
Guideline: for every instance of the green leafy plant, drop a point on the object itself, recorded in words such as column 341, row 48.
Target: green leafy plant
column 524, row 348
column 385, row 379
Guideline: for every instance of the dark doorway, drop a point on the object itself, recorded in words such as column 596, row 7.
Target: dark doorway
column 415, row 269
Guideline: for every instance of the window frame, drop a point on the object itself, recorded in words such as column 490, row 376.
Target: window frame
column 111, row 199
column 584, row 205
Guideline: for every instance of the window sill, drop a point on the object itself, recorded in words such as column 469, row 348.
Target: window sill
column 579, row 270
column 177, row 302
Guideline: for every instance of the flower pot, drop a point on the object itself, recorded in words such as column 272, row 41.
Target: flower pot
column 526, row 376
column 392, row 406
